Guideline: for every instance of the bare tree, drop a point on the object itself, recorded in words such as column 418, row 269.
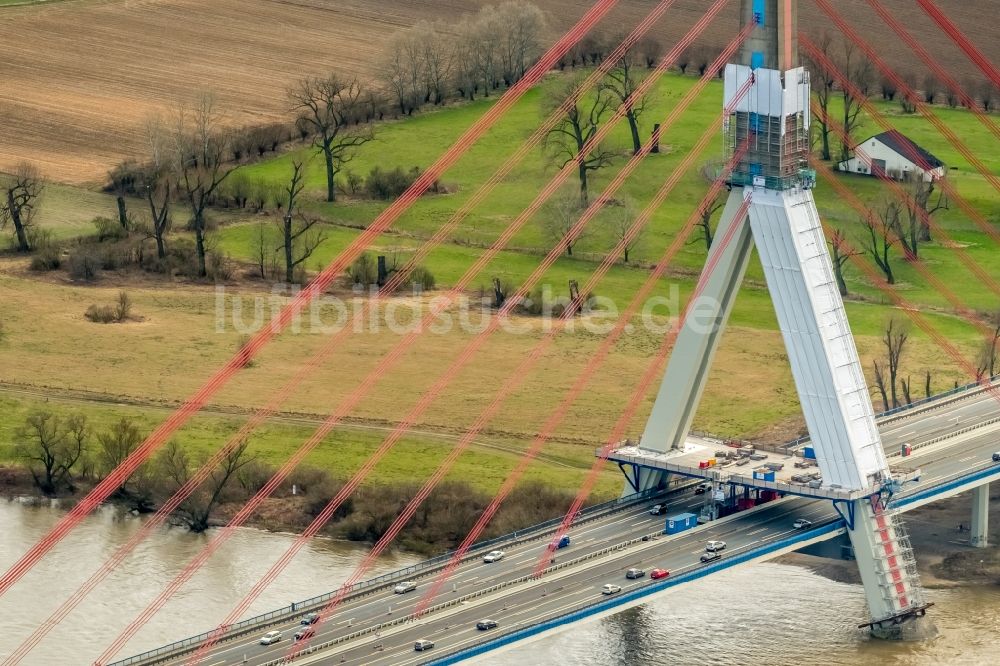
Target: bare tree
column 907, row 101
column 265, row 255
column 329, row 107
column 709, row 208
column 623, row 218
column 987, row 96
column 401, row 70
column 51, row 447
column 906, row 384
column 174, row 466
column 465, row 70
column 487, row 58
column 114, row 446
column 570, row 140
column 153, row 182
column 561, row 216
column 894, row 339
column 881, row 235
column 651, row 50
column 922, row 208
column 989, row 356
column 888, row 87
column 621, row 82
column 859, row 71
column 123, row 180
column 880, row 385
column 200, row 161
column 435, row 61
column 931, row 86
column 21, row 194
column 520, row 39
column 823, row 87
column 840, row 252
column 301, row 240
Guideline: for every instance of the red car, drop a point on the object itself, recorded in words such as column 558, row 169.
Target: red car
column 658, row 573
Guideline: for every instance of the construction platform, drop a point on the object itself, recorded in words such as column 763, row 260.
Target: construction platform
column 716, row 460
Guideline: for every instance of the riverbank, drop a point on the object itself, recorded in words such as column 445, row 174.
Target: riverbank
column 944, row 557
column 445, row 516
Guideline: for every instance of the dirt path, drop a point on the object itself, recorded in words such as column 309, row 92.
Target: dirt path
column 85, row 398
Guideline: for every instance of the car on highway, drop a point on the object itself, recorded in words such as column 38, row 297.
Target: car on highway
column 404, row 587
column 304, row 633
column 657, row 574
column 996, row 457
column 611, row 588
column 801, row 524
column 711, row 556
column 713, row 546
column 635, row 573
column 658, row 509
column 486, row 625
column 423, row 644
column 556, row 544
column 702, row 488
column 270, row 638
column 494, row 556
column 312, row 618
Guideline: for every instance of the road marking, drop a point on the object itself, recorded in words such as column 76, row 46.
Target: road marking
column 763, row 529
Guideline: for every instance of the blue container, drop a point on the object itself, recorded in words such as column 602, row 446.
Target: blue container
column 809, row 452
column 764, row 475
column 680, row 522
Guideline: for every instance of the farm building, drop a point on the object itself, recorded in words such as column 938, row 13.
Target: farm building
column 895, row 155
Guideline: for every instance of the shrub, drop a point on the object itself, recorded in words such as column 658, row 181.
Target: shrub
column 83, row 265
column 48, row 259
column 254, row 475
column 101, row 314
column 220, row 267
column 108, row 229
column 353, row 182
column 389, row 184
column 422, row 278
column 364, row 270
column 111, row 314
column 241, row 345
column 40, row 238
column 123, row 310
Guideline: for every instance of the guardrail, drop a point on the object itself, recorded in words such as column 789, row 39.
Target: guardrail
column 902, row 409
column 461, row 600
column 378, row 583
column 590, row 609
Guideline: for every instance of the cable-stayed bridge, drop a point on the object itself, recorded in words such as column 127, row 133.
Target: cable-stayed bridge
column 862, row 489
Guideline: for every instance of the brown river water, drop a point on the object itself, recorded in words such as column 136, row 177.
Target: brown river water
column 763, row 614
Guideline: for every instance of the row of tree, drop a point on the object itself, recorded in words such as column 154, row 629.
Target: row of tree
column 431, row 62
column 60, row 451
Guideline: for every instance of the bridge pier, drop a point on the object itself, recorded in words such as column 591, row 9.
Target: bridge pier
column 888, row 572
column 980, row 516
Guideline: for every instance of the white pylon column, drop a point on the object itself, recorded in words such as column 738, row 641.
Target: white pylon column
column 979, row 538
column 767, row 102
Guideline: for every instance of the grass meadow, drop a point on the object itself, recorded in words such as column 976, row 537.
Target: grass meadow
column 156, row 362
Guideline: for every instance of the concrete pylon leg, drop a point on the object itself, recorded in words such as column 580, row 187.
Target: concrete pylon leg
column 980, row 516
column 691, row 360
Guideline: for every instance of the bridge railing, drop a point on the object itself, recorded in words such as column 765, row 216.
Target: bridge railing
column 589, row 607
column 379, row 582
column 801, row 441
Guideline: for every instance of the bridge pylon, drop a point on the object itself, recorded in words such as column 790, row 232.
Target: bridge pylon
column 783, row 224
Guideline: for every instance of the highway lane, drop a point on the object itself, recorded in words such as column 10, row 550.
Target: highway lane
column 385, row 605
column 915, row 428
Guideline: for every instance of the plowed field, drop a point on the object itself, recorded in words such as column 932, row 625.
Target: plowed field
column 77, row 77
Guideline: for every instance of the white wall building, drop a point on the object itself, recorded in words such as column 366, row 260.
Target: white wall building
column 895, row 155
